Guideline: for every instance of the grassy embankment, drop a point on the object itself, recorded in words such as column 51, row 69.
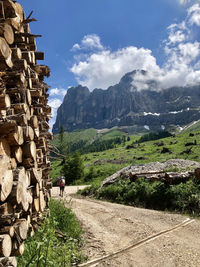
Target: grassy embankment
column 58, row 242
column 107, row 162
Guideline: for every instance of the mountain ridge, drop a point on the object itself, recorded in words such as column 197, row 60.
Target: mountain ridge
column 124, row 105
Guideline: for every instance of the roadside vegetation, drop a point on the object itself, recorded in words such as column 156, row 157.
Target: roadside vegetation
column 58, row 242
column 184, row 197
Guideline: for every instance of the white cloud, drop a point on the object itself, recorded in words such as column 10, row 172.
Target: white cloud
column 176, row 37
column 104, row 67
column 56, row 91
column 185, row 2
column 76, row 47
column 89, row 42
column 54, row 104
column 194, row 14
column 182, row 2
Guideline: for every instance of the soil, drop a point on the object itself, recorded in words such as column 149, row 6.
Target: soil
column 118, row 235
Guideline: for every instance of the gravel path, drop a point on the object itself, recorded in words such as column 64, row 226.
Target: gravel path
column 110, row 228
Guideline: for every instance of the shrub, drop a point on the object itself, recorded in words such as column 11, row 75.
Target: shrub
column 73, row 169
column 184, row 197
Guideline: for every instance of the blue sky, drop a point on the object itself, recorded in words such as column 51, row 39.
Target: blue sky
column 95, row 42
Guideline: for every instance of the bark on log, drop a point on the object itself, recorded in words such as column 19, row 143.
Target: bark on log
column 6, row 208
column 16, row 54
column 39, row 55
column 21, row 119
column 9, row 230
column 8, row 262
column 21, row 228
column 17, row 248
column 17, row 153
column 9, row 9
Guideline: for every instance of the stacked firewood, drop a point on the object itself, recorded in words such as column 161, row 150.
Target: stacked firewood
column 24, row 132
column 166, row 177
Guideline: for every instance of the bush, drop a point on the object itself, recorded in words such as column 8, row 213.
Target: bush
column 46, row 248
column 154, row 136
column 65, row 219
column 91, row 174
column 73, row 169
column 184, row 197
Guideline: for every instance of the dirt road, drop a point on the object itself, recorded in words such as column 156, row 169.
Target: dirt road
column 118, row 235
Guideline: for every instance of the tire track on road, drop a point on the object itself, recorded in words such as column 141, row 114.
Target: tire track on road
column 138, row 244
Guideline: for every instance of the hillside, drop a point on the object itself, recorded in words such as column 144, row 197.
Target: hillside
column 89, row 140
column 185, row 145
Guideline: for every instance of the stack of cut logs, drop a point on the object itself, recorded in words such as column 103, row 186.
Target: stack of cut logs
column 166, row 177
column 24, row 137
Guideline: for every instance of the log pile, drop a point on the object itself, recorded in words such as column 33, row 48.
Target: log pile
column 24, row 136
column 170, row 178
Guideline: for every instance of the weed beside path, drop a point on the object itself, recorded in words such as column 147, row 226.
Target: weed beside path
column 58, row 242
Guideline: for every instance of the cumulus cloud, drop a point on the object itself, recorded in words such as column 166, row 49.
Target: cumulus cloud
column 176, row 37
column 104, row 67
column 90, row 41
column 56, row 91
column 194, row 14
column 55, row 100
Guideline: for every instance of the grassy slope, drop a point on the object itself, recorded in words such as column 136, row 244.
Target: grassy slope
column 74, row 137
column 89, row 136
column 142, row 153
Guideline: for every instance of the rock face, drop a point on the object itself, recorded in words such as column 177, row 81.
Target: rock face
column 124, row 105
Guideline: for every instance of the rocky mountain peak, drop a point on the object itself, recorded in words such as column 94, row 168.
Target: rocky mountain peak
column 135, row 101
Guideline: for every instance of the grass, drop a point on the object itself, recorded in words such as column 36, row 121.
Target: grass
column 141, row 153
column 48, row 248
